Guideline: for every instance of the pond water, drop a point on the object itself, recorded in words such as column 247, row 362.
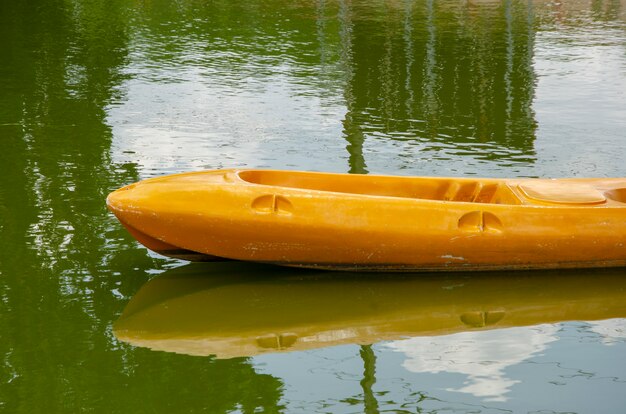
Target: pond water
column 96, row 95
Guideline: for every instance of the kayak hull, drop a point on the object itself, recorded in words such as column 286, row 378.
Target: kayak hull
column 378, row 223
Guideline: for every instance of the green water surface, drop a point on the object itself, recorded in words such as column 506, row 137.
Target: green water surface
column 98, row 94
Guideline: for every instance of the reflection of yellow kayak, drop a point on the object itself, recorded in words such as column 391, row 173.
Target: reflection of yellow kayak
column 243, row 310
column 345, row 221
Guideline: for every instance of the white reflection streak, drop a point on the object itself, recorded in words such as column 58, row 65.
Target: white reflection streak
column 482, row 355
column 611, row 331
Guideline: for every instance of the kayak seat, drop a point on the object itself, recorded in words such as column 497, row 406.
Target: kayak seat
column 618, row 194
column 554, row 192
column 470, row 192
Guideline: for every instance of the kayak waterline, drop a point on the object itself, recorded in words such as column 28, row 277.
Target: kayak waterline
column 378, row 223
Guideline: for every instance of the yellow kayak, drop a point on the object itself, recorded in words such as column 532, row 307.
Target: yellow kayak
column 373, row 222
column 243, row 311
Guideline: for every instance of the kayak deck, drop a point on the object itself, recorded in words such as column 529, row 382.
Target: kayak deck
column 363, row 222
